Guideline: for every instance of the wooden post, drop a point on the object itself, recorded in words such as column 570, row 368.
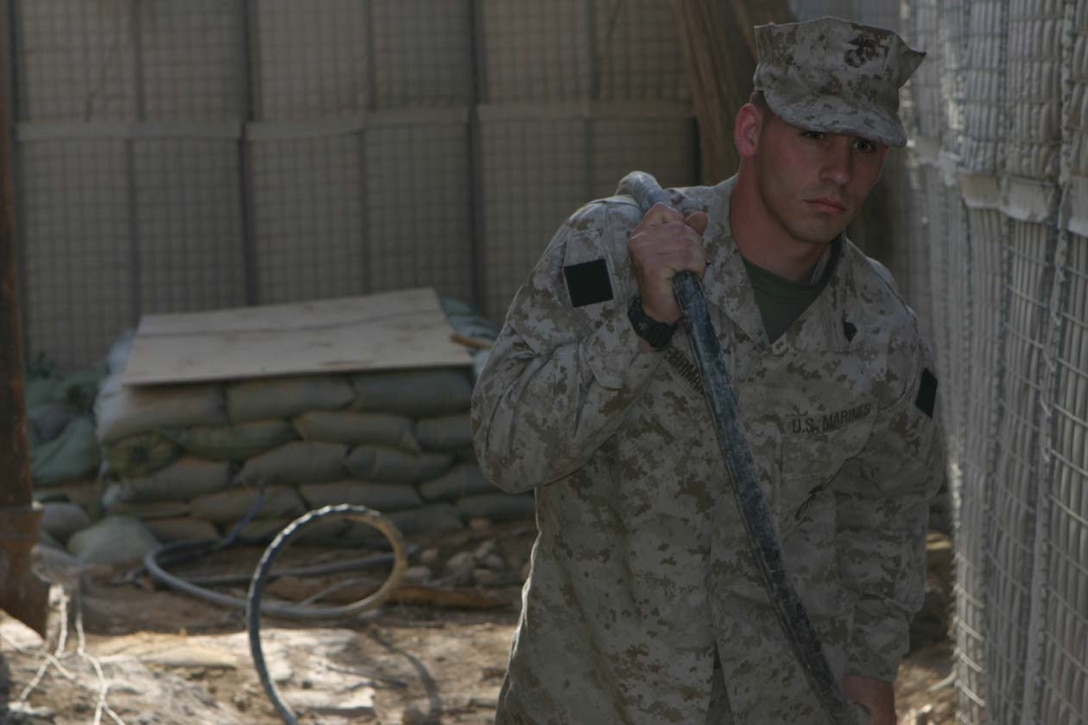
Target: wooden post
column 22, row 594
column 719, row 45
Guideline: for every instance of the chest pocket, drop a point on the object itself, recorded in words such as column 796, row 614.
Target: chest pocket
column 813, row 448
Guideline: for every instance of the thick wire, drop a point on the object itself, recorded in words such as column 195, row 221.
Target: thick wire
column 756, row 514
column 254, row 607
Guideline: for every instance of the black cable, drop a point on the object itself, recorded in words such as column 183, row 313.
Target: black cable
column 756, row 514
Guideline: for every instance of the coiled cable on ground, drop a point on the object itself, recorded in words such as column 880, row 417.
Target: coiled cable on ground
column 254, row 607
column 186, row 551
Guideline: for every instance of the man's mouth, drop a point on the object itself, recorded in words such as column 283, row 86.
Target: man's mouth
column 827, row 205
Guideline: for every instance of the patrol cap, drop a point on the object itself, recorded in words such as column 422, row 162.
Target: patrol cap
column 835, row 76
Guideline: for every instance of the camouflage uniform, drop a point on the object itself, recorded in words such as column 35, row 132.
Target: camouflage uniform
column 642, row 574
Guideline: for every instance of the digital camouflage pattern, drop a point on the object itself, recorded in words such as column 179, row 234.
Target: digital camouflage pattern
column 835, row 76
column 641, row 572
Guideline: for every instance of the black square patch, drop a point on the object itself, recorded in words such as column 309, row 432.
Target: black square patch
column 588, row 283
column 927, row 393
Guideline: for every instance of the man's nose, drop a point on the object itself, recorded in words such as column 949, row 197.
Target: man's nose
column 838, row 164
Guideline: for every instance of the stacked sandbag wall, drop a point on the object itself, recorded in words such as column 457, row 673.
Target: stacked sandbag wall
column 64, row 454
column 210, row 460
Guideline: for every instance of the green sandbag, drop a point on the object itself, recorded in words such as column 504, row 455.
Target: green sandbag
column 140, row 455
column 148, row 510
column 185, row 479
column 497, row 506
column 353, row 429
column 464, row 479
column 424, row 393
column 79, row 390
column 381, row 497
column 181, row 528
column 294, row 463
column 72, row 455
column 233, row 442
column 446, row 433
column 42, row 390
column 234, row 504
column 324, row 532
column 124, row 410
column 427, row 519
column 286, row 397
column 380, row 463
column 114, row 540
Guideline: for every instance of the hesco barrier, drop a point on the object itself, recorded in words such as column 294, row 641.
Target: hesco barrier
column 179, row 156
column 999, row 217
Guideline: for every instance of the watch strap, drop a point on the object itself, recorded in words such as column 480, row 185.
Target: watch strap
column 657, row 334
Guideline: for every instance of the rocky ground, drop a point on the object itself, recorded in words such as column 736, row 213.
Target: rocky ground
column 123, row 649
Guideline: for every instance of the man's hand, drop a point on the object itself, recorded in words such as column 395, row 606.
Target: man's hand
column 664, row 243
column 876, row 696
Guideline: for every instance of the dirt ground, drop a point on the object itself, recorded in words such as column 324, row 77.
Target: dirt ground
column 124, row 649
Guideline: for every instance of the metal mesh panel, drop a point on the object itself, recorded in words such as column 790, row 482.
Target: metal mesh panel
column 80, row 60
column 1034, row 77
column 534, row 176
column 310, row 64
column 1011, row 538
column 637, row 60
column 188, row 261
column 78, row 272
column 987, row 230
column 537, row 51
column 1064, row 697
column 1076, row 105
column 419, row 228
column 191, row 61
column 422, row 53
column 663, row 147
column 984, row 75
column 308, row 218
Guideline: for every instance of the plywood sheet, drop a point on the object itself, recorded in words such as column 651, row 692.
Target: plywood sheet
column 403, row 329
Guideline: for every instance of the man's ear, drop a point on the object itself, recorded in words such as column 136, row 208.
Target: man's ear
column 746, row 129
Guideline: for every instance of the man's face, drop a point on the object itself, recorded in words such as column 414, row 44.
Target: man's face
column 812, row 184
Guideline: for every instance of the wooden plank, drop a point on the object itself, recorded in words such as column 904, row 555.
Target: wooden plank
column 404, row 329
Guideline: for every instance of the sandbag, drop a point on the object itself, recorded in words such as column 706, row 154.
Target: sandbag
column 183, row 480
column 115, row 541
column 434, row 518
column 464, row 479
column 381, row 497
column 140, row 455
column 381, row 463
column 124, row 411
column 233, row 442
column 181, row 528
column 323, row 532
column 145, row 510
column 49, row 419
column 497, row 506
column 42, row 390
column 447, row 433
column 234, row 504
column 80, row 389
column 265, row 399
column 298, row 462
column 61, row 519
column 424, row 393
column 351, row 428
column 72, row 455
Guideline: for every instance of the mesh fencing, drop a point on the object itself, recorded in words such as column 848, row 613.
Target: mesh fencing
column 178, row 156
column 1007, row 297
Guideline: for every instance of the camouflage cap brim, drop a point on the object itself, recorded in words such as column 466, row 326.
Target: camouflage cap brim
column 833, row 114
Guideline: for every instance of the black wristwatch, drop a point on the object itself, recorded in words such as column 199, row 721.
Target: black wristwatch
column 656, row 333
